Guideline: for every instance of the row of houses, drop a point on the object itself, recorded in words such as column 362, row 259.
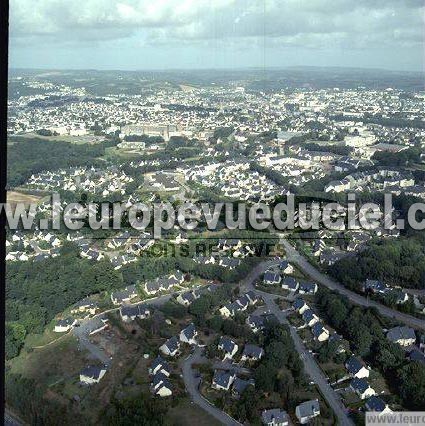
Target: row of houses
column 160, row 370
column 239, row 305
column 319, row 331
column 289, row 283
column 151, row 287
column 379, row 288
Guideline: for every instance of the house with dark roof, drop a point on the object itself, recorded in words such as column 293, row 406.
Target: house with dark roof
column 275, row 417
column 64, row 325
column 187, row 297
column 161, row 386
column 229, row 262
column 362, row 388
column 376, row 404
column 227, row 310
column 307, row 288
column 300, row 305
column 355, row 368
column 159, row 365
column 131, row 312
column 85, row 305
column 310, row 318
column 188, row 334
column 252, row 353
column 170, row 347
column 307, row 410
column 252, row 297
column 222, row 380
column 92, row 374
column 243, row 302
column 375, row 286
column 271, row 278
column 290, row 283
column 228, row 346
column 255, row 322
column 124, row 296
column 417, row 355
column 286, row 267
column 404, row 336
column 239, row 385
column 320, row 333
column 164, row 283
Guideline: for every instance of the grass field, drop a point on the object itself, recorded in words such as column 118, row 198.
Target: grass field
column 187, row 413
column 14, row 197
column 79, row 140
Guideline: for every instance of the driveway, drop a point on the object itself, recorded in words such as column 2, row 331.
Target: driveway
column 293, row 255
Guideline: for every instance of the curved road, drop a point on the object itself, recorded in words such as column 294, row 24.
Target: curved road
column 292, row 255
column 192, row 386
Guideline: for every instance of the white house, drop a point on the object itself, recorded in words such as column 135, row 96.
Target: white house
column 356, row 368
column 307, row 410
column 222, row 380
column 228, row 346
column 188, row 334
column 404, row 336
column 64, row 325
column 92, row 374
column 170, row 347
column 362, row 388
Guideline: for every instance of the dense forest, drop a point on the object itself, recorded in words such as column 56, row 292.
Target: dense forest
column 37, row 291
column 397, row 262
column 26, row 156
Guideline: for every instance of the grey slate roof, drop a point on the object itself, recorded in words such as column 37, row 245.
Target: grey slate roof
column 92, row 371
column 227, row 344
column 308, row 408
column 275, row 414
column 222, row 378
column 252, row 351
column 190, row 331
column 317, row 329
column 172, row 344
column 404, row 332
column 359, row 385
column 298, row 303
column 159, row 361
column 353, row 365
column 374, row 403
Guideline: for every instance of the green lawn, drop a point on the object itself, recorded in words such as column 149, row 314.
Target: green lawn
column 190, row 414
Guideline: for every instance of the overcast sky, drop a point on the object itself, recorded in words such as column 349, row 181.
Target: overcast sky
column 167, row 34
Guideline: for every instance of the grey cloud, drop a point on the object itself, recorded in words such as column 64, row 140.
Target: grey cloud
column 314, row 23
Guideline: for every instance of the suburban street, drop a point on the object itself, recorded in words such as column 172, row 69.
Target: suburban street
column 192, row 383
column 293, row 255
column 310, row 364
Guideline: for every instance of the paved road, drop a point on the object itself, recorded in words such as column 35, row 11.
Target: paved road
column 82, row 333
column 292, row 255
column 310, row 364
column 192, row 386
column 10, row 419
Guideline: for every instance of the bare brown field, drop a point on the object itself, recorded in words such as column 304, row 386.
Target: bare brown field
column 14, row 197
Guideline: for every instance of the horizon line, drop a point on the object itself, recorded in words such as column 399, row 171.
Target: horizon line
column 221, row 69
